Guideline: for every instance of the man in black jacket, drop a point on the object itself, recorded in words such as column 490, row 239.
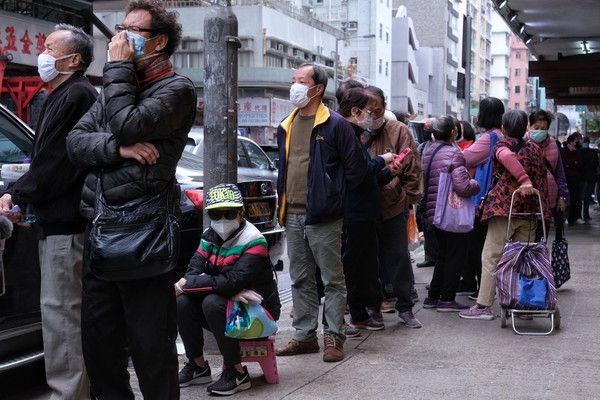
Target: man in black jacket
column 134, row 136
column 52, row 187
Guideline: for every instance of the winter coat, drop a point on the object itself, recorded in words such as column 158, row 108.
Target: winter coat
column 161, row 113
column 529, row 168
column 557, row 182
column 53, row 184
column 407, row 187
column 447, row 159
column 336, row 164
column 227, row 267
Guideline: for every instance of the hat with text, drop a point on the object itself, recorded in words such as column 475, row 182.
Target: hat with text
column 224, row 195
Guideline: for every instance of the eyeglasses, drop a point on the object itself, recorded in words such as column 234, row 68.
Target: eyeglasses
column 229, row 214
column 135, row 29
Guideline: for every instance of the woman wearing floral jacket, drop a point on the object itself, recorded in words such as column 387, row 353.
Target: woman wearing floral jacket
column 520, row 165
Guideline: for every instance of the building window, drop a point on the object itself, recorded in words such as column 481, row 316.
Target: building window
column 518, row 54
column 387, row 37
column 517, row 72
column 380, row 65
column 387, row 66
column 517, row 89
column 274, row 61
column 380, row 31
column 517, row 106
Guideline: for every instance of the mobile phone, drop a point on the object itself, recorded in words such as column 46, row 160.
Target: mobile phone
column 400, row 157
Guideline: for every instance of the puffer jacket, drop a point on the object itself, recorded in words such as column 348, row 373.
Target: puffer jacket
column 406, row 187
column 447, row 159
column 161, row 113
column 227, row 267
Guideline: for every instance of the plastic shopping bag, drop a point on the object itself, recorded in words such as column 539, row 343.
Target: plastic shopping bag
column 248, row 321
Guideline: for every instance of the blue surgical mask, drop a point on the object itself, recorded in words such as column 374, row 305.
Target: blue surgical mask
column 538, row 136
column 138, row 44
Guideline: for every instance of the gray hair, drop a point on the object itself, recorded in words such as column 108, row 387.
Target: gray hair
column 319, row 74
column 79, row 42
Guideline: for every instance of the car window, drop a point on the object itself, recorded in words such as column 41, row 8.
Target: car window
column 14, row 145
column 258, row 159
column 241, row 156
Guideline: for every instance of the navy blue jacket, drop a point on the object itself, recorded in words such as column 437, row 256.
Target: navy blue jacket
column 336, row 163
column 363, row 203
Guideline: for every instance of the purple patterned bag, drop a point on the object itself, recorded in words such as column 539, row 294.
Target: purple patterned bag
column 530, row 260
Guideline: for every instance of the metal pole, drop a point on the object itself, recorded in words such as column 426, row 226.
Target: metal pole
column 467, row 42
column 335, row 73
column 220, row 95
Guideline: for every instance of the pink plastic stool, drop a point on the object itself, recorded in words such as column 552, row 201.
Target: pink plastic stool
column 261, row 351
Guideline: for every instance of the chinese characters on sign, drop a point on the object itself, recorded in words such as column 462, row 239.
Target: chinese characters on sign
column 253, row 111
column 23, row 38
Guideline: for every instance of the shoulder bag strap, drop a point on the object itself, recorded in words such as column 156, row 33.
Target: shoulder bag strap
column 429, row 167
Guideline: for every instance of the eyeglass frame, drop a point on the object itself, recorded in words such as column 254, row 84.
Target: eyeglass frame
column 133, row 29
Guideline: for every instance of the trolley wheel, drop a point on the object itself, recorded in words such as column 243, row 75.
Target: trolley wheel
column 503, row 317
column 557, row 318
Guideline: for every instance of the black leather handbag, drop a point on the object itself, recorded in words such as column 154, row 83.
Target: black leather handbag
column 135, row 240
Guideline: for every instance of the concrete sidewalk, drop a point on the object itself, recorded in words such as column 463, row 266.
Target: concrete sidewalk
column 453, row 358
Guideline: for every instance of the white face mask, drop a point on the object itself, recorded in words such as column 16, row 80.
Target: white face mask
column 377, row 123
column 47, row 67
column 225, row 227
column 366, row 122
column 299, row 95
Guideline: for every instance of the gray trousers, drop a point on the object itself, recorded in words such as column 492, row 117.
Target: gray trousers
column 60, row 301
column 309, row 246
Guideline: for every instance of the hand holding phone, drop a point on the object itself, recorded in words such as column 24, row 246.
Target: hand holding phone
column 398, row 160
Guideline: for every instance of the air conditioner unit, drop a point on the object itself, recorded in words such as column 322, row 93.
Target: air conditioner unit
column 280, row 47
column 352, row 25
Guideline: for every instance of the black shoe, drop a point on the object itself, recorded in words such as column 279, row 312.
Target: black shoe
column 473, row 296
column 191, row 374
column 230, row 382
column 425, row 264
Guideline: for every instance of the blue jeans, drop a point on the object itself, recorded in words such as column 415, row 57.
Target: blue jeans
column 309, row 246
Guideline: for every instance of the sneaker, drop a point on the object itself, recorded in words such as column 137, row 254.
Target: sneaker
column 295, row 347
column 473, row 296
column 375, row 313
column 465, row 291
column 408, row 318
column 191, row 374
column 350, row 332
column 230, row 382
column 387, row 307
column 333, row 349
column 451, row 306
column 430, row 303
column 369, row 324
column 475, row 312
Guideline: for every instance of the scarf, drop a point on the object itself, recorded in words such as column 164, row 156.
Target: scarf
column 151, row 68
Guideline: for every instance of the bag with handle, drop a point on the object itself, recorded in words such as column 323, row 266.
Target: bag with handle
column 453, row 213
column 135, row 240
column 248, row 321
column 561, row 267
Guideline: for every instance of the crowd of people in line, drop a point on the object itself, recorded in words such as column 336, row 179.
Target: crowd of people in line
column 347, row 181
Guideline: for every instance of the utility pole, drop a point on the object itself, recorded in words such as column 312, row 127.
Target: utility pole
column 467, row 65
column 221, row 45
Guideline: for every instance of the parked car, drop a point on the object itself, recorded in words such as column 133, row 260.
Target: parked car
column 253, row 163
column 20, row 320
column 272, row 151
